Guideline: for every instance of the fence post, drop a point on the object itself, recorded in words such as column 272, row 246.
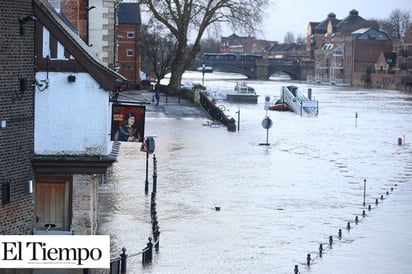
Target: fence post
column 154, row 174
column 147, row 252
column 123, row 258
column 156, row 235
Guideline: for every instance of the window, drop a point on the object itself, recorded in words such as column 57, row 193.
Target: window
column 130, row 34
column 130, row 52
column 5, row 193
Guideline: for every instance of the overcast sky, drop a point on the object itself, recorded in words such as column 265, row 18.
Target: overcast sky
column 294, row 15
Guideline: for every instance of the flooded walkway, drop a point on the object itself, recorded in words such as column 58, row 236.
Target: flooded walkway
column 277, row 203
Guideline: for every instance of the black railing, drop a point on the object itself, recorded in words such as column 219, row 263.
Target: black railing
column 216, row 113
column 118, row 265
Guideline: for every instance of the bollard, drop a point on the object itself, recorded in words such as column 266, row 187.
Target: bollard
column 123, row 261
column 382, row 197
column 154, row 224
column 320, row 250
column 330, row 241
column 369, row 208
column 154, row 174
column 376, row 202
column 363, row 213
column 156, row 235
column 340, row 233
column 296, row 269
column 356, row 220
column 147, row 253
column 308, row 260
column 348, row 226
column 399, row 141
column 387, row 192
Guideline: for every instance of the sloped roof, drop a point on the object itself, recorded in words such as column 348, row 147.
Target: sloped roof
column 129, row 13
column 350, row 22
column 106, row 77
column 287, row 47
column 322, row 27
column 369, row 34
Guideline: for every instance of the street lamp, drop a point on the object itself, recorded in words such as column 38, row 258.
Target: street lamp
column 87, row 25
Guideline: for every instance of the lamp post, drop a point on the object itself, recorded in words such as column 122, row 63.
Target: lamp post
column 87, row 25
column 203, row 74
column 148, row 146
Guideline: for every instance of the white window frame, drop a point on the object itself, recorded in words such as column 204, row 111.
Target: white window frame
column 130, row 52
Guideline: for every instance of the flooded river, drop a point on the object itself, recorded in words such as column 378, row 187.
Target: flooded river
column 278, row 203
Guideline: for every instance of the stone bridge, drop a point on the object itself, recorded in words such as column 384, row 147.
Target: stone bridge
column 258, row 68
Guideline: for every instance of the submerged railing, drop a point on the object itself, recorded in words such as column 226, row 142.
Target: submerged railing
column 298, row 102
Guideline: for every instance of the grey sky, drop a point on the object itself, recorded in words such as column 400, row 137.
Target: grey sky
column 294, row 15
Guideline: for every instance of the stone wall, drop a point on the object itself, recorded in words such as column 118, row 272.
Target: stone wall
column 85, row 204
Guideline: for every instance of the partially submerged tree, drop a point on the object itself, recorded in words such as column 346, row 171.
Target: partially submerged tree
column 184, row 18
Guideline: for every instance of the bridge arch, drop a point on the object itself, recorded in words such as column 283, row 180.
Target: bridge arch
column 294, row 75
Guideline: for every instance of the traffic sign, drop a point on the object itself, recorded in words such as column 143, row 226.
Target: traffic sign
column 267, row 123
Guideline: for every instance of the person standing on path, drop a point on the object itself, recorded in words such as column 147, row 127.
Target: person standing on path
column 157, row 96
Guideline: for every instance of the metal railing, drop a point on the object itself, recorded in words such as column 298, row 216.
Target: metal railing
column 298, row 102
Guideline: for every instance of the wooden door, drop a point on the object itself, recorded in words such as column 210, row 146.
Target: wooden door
column 52, row 204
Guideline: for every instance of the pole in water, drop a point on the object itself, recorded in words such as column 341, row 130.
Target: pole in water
column 296, row 269
column 356, row 119
column 266, row 124
column 238, row 119
column 308, row 260
column 146, row 182
column 364, row 191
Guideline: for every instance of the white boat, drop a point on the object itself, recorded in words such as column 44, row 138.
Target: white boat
column 243, row 93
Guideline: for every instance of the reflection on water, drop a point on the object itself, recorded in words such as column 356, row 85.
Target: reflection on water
column 277, row 202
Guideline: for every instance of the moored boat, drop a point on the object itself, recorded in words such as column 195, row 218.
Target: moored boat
column 243, row 93
column 279, row 107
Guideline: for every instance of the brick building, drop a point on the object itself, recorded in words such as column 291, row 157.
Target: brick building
column 345, row 51
column 404, row 59
column 128, row 41
column 55, row 123
column 16, row 116
column 244, row 45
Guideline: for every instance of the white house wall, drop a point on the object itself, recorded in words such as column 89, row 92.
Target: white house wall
column 71, row 118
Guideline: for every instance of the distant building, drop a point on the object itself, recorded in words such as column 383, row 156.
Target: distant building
column 128, row 41
column 93, row 21
column 292, row 50
column 404, row 60
column 244, row 45
column 345, row 51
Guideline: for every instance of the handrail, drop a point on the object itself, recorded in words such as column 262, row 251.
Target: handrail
column 298, row 102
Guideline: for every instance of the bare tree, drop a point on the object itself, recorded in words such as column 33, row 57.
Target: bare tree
column 289, row 38
column 192, row 18
column 397, row 23
column 158, row 50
